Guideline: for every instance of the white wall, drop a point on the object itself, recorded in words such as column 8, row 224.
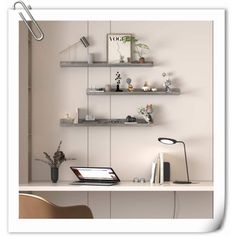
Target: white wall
column 181, row 48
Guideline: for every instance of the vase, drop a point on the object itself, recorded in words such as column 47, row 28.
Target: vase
column 141, row 60
column 54, row 174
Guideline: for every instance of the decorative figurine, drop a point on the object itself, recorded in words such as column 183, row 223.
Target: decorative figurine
column 145, row 87
column 69, row 118
column 107, row 87
column 122, row 59
column 167, row 83
column 130, row 86
column 149, row 108
column 130, row 119
column 90, row 117
column 118, row 78
column 146, row 113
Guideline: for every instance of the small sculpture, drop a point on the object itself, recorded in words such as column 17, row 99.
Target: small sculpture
column 69, row 118
column 130, row 86
column 118, row 78
column 122, row 59
column 130, row 119
column 90, row 117
column 149, row 108
column 145, row 87
column 146, row 113
column 167, row 83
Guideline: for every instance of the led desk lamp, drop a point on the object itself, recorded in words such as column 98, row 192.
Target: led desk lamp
column 170, row 141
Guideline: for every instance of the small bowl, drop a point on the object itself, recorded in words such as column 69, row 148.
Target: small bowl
column 154, row 89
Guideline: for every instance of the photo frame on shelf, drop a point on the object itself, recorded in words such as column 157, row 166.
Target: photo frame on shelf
column 118, row 51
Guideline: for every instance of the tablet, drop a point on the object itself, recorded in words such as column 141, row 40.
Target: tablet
column 95, row 174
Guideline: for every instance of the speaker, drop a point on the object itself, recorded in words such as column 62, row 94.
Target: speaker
column 166, row 171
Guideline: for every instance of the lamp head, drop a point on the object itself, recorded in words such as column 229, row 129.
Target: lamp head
column 168, row 141
column 84, row 41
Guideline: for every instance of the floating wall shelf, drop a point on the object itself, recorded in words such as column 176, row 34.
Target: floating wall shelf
column 104, row 122
column 175, row 91
column 103, row 64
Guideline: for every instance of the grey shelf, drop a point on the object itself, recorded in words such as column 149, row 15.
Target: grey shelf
column 105, row 122
column 174, row 91
column 103, row 64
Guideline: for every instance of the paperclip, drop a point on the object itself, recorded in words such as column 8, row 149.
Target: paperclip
column 32, row 18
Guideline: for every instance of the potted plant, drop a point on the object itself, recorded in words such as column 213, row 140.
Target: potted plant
column 139, row 48
column 55, row 162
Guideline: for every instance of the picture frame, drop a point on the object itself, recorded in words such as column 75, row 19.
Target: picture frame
column 117, row 50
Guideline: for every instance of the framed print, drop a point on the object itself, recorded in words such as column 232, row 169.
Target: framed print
column 118, row 51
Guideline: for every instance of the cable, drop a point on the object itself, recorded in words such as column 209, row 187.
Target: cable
column 174, row 212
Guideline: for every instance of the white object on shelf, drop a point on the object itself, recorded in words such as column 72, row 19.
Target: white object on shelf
column 90, row 118
column 90, row 58
column 76, row 120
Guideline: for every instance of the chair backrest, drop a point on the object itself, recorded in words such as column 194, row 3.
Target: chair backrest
column 32, row 206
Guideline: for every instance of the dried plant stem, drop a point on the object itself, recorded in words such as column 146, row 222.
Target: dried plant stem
column 38, row 159
column 48, row 158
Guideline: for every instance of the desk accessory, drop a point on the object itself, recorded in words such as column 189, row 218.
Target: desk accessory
column 55, row 162
column 95, row 175
column 170, row 141
column 166, row 171
column 139, row 180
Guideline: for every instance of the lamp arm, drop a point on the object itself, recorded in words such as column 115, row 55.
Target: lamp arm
column 186, row 161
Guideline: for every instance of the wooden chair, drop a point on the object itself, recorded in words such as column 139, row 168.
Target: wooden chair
column 32, row 206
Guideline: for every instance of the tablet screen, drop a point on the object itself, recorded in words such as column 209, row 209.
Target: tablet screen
column 95, row 173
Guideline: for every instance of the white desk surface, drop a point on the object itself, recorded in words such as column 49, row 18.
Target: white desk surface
column 122, row 186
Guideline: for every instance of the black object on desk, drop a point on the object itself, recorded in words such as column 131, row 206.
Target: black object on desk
column 166, row 171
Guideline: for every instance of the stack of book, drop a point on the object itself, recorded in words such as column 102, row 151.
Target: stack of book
column 160, row 170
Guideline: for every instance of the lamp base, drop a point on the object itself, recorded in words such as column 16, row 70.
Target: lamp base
column 182, row 182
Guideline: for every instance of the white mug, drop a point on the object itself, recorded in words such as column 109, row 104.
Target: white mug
column 90, row 58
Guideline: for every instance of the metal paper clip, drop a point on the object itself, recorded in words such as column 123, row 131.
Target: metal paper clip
column 33, row 20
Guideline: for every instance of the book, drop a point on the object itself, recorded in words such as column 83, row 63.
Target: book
column 153, row 172
column 161, row 157
column 158, row 171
